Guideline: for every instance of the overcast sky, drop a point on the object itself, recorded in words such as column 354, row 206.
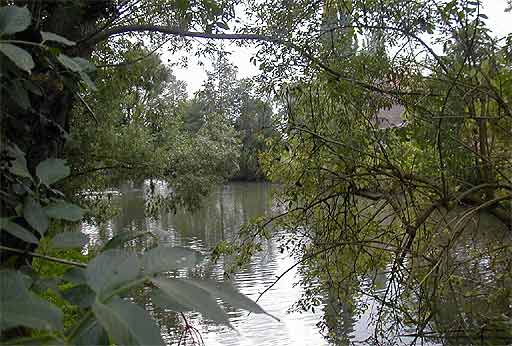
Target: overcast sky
column 194, row 75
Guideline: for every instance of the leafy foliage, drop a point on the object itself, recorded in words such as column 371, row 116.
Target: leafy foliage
column 100, row 289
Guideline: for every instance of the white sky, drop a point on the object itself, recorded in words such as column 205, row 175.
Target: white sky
column 194, row 75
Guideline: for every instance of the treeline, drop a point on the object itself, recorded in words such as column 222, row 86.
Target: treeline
column 140, row 124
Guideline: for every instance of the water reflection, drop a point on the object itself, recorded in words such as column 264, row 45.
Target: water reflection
column 485, row 303
column 220, row 219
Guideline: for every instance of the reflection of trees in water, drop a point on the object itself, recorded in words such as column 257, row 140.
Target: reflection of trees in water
column 220, row 218
column 475, row 307
column 459, row 293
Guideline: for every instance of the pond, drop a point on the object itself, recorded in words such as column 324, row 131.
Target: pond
column 220, row 218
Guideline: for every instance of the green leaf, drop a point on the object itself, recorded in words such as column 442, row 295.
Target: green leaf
column 85, row 65
column 22, row 308
column 87, row 80
column 160, row 299
column 112, row 269
column 80, row 295
column 75, row 275
column 50, row 36
column 14, row 19
column 45, row 340
column 70, row 63
column 43, row 284
column 127, row 323
column 18, row 56
column 123, row 237
column 186, row 295
column 64, row 211
column 19, row 95
column 52, row 170
column 163, row 259
column 32, row 87
column 18, row 231
column 91, row 334
column 229, row 294
column 35, row 215
column 19, row 165
column 69, row 240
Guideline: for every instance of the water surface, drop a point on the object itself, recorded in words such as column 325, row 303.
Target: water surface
column 219, row 219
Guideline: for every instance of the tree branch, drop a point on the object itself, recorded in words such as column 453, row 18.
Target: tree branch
column 44, row 257
column 137, row 28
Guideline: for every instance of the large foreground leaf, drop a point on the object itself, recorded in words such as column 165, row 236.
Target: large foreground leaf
column 127, row 323
column 20, row 307
column 52, row 170
column 18, row 56
column 19, row 165
column 35, row 215
column 14, row 19
column 229, row 294
column 163, row 258
column 18, row 231
column 112, row 269
column 45, row 340
column 50, row 36
column 183, row 294
column 75, row 275
column 91, row 334
column 64, row 211
column 80, row 295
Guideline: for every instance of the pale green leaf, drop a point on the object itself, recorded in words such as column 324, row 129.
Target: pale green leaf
column 35, row 215
column 18, row 231
column 162, row 300
column 186, row 295
column 91, row 334
column 80, row 295
column 75, row 275
column 18, row 56
column 44, row 340
column 85, row 65
column 14, row 19
column 19, row 94
column 20, row 307
column 163, row 258
column 69, row 63
column 87, row 80
column 52, row 170
column 69, row 240
column 127, row 323
column 111, row 269
column 50, row 36
column 229, row 294
column 64, row 211
column 19, row 165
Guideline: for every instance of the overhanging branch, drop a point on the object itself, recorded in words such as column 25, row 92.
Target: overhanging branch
column 174, row 31
column 137, row 28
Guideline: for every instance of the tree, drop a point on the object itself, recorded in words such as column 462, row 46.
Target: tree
column 242, row 107
column 42, row 50
column 359, row 198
